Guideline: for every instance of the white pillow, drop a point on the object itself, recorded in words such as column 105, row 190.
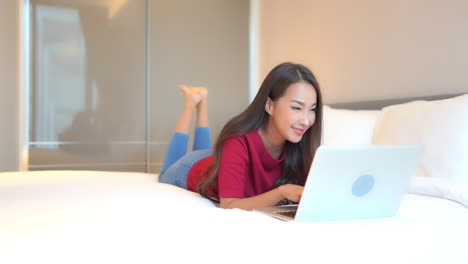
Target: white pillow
column 439, row 187
column 348, row 127
column 440, row 126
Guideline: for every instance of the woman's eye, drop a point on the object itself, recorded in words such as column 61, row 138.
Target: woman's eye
column 313, row 109
column 295, row 108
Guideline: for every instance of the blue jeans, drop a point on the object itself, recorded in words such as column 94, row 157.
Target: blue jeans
column 178, row 163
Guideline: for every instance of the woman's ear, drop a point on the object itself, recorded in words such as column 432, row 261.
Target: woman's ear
column 268, row 105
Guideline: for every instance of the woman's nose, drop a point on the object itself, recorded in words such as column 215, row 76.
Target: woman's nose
column 305, row 121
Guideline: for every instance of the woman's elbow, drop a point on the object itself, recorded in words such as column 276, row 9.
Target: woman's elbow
column 229, row 203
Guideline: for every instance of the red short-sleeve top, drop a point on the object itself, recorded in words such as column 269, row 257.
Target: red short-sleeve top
column 247, row 168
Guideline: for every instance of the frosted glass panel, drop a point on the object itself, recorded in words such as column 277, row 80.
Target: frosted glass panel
column 88, row 91
column 200, row 43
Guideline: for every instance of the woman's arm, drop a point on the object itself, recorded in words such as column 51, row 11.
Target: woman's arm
column 271, row 198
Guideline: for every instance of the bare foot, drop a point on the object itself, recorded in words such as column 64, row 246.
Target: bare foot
column 202, row 108
column 192, row 96
column 203, row 92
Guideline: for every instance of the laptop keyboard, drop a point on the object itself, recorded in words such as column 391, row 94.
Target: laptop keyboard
column 291, row 214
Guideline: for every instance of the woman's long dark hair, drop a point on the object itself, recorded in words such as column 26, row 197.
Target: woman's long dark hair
column 299, row 155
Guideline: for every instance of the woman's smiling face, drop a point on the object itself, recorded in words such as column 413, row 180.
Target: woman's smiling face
column 292, row 114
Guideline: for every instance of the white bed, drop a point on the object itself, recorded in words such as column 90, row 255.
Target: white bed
column 123, row 217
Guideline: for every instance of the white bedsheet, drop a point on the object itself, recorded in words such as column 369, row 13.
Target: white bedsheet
column 110, row 217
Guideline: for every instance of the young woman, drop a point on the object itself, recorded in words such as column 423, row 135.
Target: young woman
column 262, row 156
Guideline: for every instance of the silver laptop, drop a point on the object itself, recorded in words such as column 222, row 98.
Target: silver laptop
column 346, row 183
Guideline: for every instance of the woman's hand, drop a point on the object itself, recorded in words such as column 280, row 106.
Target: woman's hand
column 291, row 192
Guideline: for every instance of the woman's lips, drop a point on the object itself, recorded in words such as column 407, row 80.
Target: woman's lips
column 298, row 131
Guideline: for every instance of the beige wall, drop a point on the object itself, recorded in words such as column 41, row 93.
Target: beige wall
column 366, row 50
column 9, row 86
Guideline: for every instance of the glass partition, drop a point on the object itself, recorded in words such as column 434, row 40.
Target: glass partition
column 199, row 43
column 104, row 76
